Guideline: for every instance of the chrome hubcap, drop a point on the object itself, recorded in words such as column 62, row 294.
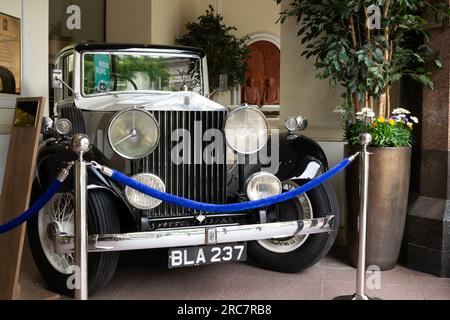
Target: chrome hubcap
column 53, row 229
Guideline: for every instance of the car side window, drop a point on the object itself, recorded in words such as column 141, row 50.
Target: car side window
column 68, row 68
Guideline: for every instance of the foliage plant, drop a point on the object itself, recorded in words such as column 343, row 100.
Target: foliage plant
column 352, row 51
column 129, row 66
column 394, row 131
column 227, row 54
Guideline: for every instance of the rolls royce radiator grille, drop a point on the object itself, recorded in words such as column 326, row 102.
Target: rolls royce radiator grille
column 193, row 178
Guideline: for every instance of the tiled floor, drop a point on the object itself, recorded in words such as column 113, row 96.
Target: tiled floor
column 143, row 275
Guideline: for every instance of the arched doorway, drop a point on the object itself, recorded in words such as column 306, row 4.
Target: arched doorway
column 263, row 74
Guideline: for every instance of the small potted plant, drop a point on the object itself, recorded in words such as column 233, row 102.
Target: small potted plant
column 389, row 177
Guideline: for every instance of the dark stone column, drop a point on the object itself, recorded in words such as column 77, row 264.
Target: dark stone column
column 427, row 235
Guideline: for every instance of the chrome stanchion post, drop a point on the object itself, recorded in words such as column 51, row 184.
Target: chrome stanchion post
column 80, row 145
column 365, row 139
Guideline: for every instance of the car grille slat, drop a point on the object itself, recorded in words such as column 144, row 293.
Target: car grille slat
column 195, row 180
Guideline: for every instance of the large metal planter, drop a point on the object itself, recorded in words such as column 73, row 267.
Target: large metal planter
column 388, row 198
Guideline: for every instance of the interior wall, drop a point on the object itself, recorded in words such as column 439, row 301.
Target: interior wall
column 189, row 11
column 165, row 21
column 13, row 8
column 35, row 77
column 301, row 92
column 128, row 21
column 252, row 16
column 169, row 17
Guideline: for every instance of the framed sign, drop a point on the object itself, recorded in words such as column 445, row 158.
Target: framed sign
column 26, row 112
column 15, row 197
column 10, row 54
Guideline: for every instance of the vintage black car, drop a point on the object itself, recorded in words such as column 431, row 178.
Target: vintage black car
column 145, row 107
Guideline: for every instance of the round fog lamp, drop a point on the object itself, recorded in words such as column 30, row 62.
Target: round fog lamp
column 263, row 185
column 138, row 199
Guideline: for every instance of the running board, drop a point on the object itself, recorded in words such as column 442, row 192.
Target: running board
column 196, row 236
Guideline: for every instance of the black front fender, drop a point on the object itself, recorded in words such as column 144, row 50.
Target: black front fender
column 296, row 153
column 288, row 157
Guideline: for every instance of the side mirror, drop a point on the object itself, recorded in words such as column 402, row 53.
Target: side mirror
column 56, row 79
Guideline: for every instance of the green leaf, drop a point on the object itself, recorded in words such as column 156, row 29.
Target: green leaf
column 226, row 53
column 324, row 26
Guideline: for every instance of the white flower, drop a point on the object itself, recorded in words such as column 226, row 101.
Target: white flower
column 400, row 111
column 339, row 109
column 365, row 113
column 415, row 120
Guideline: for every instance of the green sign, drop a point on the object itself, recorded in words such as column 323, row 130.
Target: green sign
column 102, row 72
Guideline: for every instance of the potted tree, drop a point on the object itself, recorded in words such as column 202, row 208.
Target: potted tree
column 365, row 46
column 227, row 54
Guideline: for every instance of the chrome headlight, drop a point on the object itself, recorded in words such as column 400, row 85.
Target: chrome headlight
column 133, row 134
column 263, row 185
column 140, row 200
column 246, row 130
column 63, row 126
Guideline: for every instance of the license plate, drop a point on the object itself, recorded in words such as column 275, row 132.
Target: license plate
column 197, row 256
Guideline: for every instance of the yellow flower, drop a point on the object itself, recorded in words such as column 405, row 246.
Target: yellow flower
column 381, row 120
column 410, row 125
column 374, row 125
column 392, row 122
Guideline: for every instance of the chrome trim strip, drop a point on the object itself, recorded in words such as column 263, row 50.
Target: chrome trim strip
column 196, row 236
column 209, row 216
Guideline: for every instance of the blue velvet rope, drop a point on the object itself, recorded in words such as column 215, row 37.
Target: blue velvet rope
column 34, row 209
column 229, row 208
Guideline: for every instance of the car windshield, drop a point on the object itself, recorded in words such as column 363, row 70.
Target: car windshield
column 113, row 72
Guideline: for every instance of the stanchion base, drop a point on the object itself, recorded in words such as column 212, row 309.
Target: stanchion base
column 355, row 297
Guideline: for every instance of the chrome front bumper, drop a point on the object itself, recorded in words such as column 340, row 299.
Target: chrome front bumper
column 196, row 236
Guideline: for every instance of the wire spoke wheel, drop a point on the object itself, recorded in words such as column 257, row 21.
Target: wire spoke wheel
column 58, row 216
